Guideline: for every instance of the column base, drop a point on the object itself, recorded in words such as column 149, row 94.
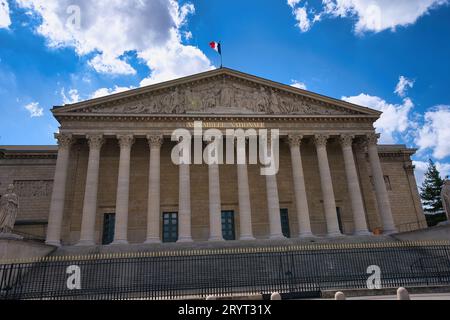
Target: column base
column 185, row 240
column 277, row 237
column 390, row 231
column 153, row 241
column 306, row 235
column 53, row 243
column 363, row 233
column 119, row 243
column 247, row 238
column 216, row 239
column 335, row 234
column 85, row 243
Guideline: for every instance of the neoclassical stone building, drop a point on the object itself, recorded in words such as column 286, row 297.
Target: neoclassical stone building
column 112, row 180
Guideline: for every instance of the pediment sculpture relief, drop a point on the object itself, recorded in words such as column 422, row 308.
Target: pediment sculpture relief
column 220, row 96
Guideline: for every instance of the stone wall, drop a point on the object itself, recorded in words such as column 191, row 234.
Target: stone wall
column 33, row 179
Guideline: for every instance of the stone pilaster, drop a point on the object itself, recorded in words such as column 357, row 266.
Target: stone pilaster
column 215, row 206
column 245, row 211
column 353, row 186
column 329, row 202
column 301, row 200
column 87, row 236
column 384, row 206
column 154, row 198
column 273, row 202
column 123, row 190
column 56, row 212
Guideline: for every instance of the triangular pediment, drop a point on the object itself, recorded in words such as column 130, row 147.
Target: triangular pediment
column 217, row 92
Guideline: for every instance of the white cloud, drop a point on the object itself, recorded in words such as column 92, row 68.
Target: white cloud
column 422, row 166
column 293, row 3
column 395, row 117
column 111, row 29
column 403, row 85
column 5, row 20
column 173, row 61
column 34, row 110
column 377, row 15
column 435, row 133
column 301, row 15
column 102, row 92
column 73, row 96
column 298, row 84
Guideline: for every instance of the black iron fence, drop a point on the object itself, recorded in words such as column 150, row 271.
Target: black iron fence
column 302, row 270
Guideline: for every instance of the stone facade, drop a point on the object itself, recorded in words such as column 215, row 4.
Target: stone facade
column 110, row 147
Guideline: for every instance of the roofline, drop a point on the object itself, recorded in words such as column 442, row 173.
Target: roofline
column 207, row 74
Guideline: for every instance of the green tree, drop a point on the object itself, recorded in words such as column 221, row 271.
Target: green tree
column 430, row 192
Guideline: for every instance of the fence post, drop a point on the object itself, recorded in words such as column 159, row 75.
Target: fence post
column 339, row 296
column 275, row 296
column 403, row 294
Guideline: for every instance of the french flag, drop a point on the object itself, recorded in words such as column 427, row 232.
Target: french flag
column 216, row 46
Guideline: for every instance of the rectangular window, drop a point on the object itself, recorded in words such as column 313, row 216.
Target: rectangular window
column 228, row 231
column 387, row 181
column 284, row 215
column 339, row 217
column 170, row 227
column 109, row 221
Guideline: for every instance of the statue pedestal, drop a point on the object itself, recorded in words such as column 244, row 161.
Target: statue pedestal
column 10, row 236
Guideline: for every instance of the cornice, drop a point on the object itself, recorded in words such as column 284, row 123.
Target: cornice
column 211, row 117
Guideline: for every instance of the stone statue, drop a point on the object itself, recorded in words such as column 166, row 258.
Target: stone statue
column 9, row 206
column 445, row 196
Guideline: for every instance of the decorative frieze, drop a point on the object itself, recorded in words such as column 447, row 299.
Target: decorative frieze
column 34, row 188
column 220, row 96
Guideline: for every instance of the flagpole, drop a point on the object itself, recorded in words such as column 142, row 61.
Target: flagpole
column 221, row 58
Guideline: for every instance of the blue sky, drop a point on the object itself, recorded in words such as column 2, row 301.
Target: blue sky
column 393, row 56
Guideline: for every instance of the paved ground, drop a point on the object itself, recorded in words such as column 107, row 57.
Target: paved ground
column 426, row 296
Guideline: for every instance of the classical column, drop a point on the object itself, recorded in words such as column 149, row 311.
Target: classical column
column 273, row 202
column 329, row 202
column 123, row 190
column 215, row 207
column 184, row 204
column 245, row 211
column 384, row 206
column 87, row 237
column 153, row 207
column 301, row 200
column 353, row 187
column 56, row 213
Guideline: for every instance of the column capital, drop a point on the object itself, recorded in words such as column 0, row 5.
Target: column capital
column 321, row 140
column 64, row 140
column 372, row 139
column 155, row 140
column 346, row 140
column 125, row 140
column 95, row 141
column 295, row 140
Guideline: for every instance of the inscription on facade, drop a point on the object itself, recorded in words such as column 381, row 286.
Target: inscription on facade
column 234, row 125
